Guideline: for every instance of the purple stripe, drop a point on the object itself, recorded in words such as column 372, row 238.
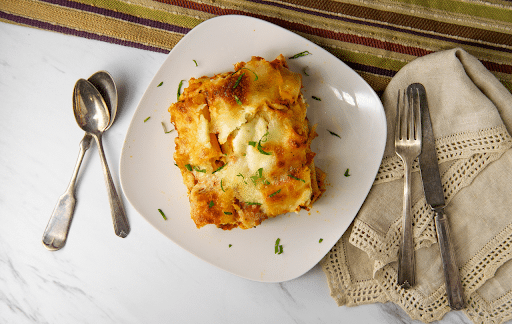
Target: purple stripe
column 70, row 31
column 392, row 28
column 371, row 69
column 119, row 15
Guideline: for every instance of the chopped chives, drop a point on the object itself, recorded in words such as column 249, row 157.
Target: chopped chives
column 278, row 249
column 221, row 187
column 165, row 129
column 346, row 173
column 145, row 120
column 162, row 213
column 320, row 240
column 299, row 55
column 238, row 80
column 258, row 176
column 189, row 167
column 242, row 176
column 316, row 98
column 293, row 177
column 334, row 134
column 195, row 62
column 228, row 213
column 250, row 203
column 260, row 149
column 255, row 75
column 179, row 89
column 199, row 170
column 275, row 193
column 237, row 100
column 160, row 84
column 210, row 204
column 220, row 168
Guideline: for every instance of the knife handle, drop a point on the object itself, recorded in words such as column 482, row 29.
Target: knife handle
column 451, row 271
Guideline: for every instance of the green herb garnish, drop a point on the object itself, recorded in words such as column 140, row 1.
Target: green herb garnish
column 293, row 177
column 258, row 145
column 243, row 178
column 320, row 240
column 334, row 134
column 165, row 129
column 259, row 175
column 278, row 248
column 195, row 62
column 210, row 204
column 250, row 203
column 219, row 168
column 145, row 120
column 238, row 80
column 189, row 167
column 237, row 100
column 316, row 98
column 299, row 55
column 304, row 71
column 199, row 170
column 346, row 173
column 160, row 84
column 255, row 75
column 275, row 193
column 230, row 245
column 221, row 187
column 228, row 213
column 179, row 89
column 162, row 213
column 260, row 149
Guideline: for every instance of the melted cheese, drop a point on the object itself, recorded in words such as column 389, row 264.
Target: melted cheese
column 243, row 145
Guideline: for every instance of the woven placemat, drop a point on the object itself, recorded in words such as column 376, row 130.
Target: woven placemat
column 375, row 38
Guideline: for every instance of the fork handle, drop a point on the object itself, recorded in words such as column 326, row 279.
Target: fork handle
column 406, row 258
column 451, row 271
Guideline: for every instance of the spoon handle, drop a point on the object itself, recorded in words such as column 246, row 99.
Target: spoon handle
column 121, row 225
column 56, row 232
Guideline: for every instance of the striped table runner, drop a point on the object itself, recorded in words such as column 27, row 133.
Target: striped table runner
column 375, row 38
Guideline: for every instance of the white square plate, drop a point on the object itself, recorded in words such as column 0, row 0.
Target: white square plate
column 348, row 107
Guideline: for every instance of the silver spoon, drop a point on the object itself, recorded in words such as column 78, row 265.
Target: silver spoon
column 56, row 232
column 92, row 116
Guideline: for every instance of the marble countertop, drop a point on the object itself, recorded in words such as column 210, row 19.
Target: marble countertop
column 98, row 277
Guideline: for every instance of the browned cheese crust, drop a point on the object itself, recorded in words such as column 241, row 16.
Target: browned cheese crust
column 243, row 145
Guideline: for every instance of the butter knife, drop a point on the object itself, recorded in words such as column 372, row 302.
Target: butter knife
column 434, row 195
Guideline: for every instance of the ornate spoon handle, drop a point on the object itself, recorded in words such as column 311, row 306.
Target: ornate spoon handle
column 56, row 232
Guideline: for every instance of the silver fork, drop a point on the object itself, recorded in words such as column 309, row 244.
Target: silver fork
column 408, row 147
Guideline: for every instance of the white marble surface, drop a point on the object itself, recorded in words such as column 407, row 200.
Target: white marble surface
column 98, row 277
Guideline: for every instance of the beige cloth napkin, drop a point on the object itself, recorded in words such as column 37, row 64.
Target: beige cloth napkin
column 471, row 115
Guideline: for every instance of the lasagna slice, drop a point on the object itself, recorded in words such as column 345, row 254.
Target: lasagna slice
column 243, row 145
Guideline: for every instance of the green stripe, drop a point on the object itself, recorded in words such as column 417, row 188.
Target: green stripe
column 472, row 9
column 147, row 13
column 507, row 84
column 368, row 59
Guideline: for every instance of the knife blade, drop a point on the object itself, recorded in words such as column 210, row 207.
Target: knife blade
column 434, row 194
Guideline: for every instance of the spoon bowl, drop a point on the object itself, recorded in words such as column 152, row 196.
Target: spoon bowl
column 104, row 83
column 91, row 112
